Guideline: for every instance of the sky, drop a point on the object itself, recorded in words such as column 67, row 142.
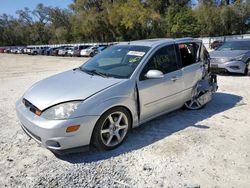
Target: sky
column 11, row 6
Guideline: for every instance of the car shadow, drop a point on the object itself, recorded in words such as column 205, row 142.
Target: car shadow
column 160, row 128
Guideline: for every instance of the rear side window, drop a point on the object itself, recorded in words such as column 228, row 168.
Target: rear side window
column 163, row 60
column 189, row 53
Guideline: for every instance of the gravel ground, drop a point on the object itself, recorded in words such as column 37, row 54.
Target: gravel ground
column 205, row 148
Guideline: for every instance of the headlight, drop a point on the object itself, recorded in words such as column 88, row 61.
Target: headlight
column 61, row 111
column 238, row 58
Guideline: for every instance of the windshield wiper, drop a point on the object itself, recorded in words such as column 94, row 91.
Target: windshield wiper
column 95, row 72
column 99, row 73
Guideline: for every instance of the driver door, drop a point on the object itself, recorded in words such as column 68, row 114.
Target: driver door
column 160, row 95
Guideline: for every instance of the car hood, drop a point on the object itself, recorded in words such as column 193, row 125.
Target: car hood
column 229, row 54
column 66, row 86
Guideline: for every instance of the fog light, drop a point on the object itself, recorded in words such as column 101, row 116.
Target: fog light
column 52, row 143
column 72, row 128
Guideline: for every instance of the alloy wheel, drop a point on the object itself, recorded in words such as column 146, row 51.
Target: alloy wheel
column 114, row 129
column 194, row 103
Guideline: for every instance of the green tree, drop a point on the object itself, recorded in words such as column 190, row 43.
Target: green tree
column 181, row 21
column 60, row 25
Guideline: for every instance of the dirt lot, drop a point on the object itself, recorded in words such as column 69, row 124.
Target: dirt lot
column 206, row 148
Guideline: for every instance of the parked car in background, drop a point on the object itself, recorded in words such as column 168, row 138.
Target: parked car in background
column 7, row 50
column 56, row 50
column 70, row 51
column 121, row 88
column 14, row 50
column 37, row 50
column 77, row 50
column 27, row 50
column 44, row 50
column 64, row 51
column 216, row 44
column 88, row 52
column 17, row 50
column 49, row 51
column 99, row 49
column 232, row 57
column 2, row 50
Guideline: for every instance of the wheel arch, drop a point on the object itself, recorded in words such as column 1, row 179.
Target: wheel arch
column 117, row 106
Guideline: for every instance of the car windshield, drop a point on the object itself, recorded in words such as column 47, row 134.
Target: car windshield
column 235, row 45
column 117, row 61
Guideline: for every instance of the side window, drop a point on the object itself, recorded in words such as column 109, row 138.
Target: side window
column 189, row 53
column 163, row 60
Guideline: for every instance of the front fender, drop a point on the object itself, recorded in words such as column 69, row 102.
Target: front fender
column 119, row 95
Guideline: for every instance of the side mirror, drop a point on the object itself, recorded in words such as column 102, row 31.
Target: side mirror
column 154, row 74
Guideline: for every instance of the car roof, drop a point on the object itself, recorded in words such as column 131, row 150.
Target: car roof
column 158, row 41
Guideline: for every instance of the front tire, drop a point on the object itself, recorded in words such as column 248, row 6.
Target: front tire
column 111, row 129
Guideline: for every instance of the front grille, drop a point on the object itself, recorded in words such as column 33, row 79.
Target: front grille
column 30, row 106
column 28, row 132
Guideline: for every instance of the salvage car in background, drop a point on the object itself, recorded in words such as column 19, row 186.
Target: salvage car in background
column 2, row 50
column 38, row 50
column 77, row 50
column 7, row 50
column 70, row 52
column 49, row 51
column 27, row 50
column 16, row 50
column 88, row 52
column 99, row 50
column 232, row 57
column 121, row 88
column 64, row 51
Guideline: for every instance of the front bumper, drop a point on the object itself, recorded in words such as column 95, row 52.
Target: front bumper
column 231, row 66
column 52, row 133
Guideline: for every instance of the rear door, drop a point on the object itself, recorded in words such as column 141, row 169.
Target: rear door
column 160, row 95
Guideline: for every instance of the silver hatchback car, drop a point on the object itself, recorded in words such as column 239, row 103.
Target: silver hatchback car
column 232, row 57
column 121, row 88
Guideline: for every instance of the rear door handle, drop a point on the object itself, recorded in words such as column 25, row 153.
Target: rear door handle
column 174, row 78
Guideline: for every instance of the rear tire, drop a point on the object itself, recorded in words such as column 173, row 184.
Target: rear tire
column 111, row 129
column 193, row 103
